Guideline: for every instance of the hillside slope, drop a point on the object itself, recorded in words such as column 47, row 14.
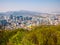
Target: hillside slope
column 41, row 35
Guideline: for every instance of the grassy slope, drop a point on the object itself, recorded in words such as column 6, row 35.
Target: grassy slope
column 41, row 35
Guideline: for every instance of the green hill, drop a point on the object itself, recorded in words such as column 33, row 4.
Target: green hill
column 41, row 35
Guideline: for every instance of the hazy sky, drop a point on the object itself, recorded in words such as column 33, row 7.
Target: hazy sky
column 32, row 5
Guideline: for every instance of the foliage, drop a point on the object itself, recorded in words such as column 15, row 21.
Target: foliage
column 40, row 35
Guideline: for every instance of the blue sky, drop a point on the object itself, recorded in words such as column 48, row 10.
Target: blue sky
column 46, row 6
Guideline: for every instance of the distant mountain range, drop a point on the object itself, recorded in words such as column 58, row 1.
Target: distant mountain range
column 23, row 13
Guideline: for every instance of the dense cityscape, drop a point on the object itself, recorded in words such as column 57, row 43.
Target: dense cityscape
column 27, row 22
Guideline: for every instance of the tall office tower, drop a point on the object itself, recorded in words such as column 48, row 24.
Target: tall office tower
column 11, row 16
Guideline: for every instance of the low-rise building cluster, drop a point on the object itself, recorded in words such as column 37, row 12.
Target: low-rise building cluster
column 27, row 22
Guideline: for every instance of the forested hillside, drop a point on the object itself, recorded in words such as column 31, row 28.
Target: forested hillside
column 40, row 35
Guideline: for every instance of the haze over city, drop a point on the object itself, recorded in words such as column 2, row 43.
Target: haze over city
column 46, row 6
column 29, row 22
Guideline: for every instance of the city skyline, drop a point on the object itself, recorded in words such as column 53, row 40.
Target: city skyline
column 46, row 6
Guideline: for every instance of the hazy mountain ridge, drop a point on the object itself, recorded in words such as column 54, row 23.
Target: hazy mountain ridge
column 22, row 12
column 25, row 13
